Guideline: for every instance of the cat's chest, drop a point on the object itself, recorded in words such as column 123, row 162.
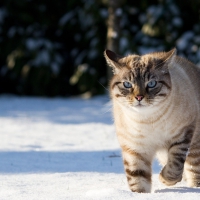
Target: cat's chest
column 150, row 127
column 149, row 135
column 159, row 124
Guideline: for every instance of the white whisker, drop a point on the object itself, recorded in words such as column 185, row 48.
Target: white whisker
column 103, row 86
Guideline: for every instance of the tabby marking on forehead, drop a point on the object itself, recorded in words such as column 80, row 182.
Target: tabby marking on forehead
column 156, row 108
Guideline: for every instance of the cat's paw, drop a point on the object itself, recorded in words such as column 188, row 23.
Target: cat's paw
column 169, row 182
column 139, row 185
column 166, row 177
column 193, row 182
column 140, row 189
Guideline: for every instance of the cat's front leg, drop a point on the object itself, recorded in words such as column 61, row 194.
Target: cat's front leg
column 173, row 170
column 138, row 170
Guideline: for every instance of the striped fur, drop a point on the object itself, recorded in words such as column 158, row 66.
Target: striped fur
column 162, row 121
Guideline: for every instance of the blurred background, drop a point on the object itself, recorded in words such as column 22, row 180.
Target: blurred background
column 55, row 48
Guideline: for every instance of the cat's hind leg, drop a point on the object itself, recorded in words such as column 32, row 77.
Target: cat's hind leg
column 192, row 164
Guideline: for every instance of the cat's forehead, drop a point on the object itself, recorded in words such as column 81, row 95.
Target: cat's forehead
column 145, row 61
column 140, row 66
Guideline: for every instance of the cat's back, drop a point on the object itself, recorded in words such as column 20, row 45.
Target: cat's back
column 185, row 68
column 185, row 77
column 185, row 74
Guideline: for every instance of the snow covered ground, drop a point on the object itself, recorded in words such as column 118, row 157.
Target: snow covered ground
column 66, row 148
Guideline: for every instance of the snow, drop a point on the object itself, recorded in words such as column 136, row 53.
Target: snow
column 177, row 21
column 67, row 17
column 43, row 58
column 182, row 42
column 66, row 148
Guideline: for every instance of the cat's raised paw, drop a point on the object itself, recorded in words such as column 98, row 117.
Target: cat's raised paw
column 167, row 180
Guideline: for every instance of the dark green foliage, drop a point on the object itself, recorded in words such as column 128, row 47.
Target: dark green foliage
column 51, row 48
column 44, row 42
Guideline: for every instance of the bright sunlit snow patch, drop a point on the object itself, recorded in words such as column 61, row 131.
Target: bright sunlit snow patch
column 66, row 148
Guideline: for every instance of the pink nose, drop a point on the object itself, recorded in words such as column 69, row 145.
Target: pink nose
column 139, row 97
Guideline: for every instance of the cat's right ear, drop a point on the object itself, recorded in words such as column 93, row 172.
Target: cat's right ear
column 112, row 60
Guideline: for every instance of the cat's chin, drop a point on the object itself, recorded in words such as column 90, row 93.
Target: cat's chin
column 141, row 107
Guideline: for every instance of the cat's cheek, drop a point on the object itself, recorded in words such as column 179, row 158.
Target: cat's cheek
column 116, row 94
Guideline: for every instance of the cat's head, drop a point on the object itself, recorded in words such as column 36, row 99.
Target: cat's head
column 140, row 81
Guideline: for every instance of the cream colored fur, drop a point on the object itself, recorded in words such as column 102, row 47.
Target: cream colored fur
column 152, row 130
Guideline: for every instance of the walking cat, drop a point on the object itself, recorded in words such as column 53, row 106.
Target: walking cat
column 156, row 106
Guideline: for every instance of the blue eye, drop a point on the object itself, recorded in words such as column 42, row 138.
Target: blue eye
column 152, row 84
column 127, row 85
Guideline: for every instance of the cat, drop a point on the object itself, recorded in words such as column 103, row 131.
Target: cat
column 156, row 109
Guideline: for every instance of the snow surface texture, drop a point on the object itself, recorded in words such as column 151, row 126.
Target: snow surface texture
column 66, row 148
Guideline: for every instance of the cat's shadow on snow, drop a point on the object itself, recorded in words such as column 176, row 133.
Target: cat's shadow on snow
column 178, row 190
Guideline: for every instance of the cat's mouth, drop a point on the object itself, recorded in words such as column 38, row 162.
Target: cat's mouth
column 139, row 105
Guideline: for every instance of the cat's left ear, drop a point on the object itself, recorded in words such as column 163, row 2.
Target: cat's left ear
column 165, row 58
column 113, row 60
column 168, row 56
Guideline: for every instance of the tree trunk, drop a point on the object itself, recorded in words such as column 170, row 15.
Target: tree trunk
column 113, row 31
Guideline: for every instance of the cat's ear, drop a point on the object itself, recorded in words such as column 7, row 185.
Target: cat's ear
column 164, row 58
column 113, row 60
column 168, row 56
